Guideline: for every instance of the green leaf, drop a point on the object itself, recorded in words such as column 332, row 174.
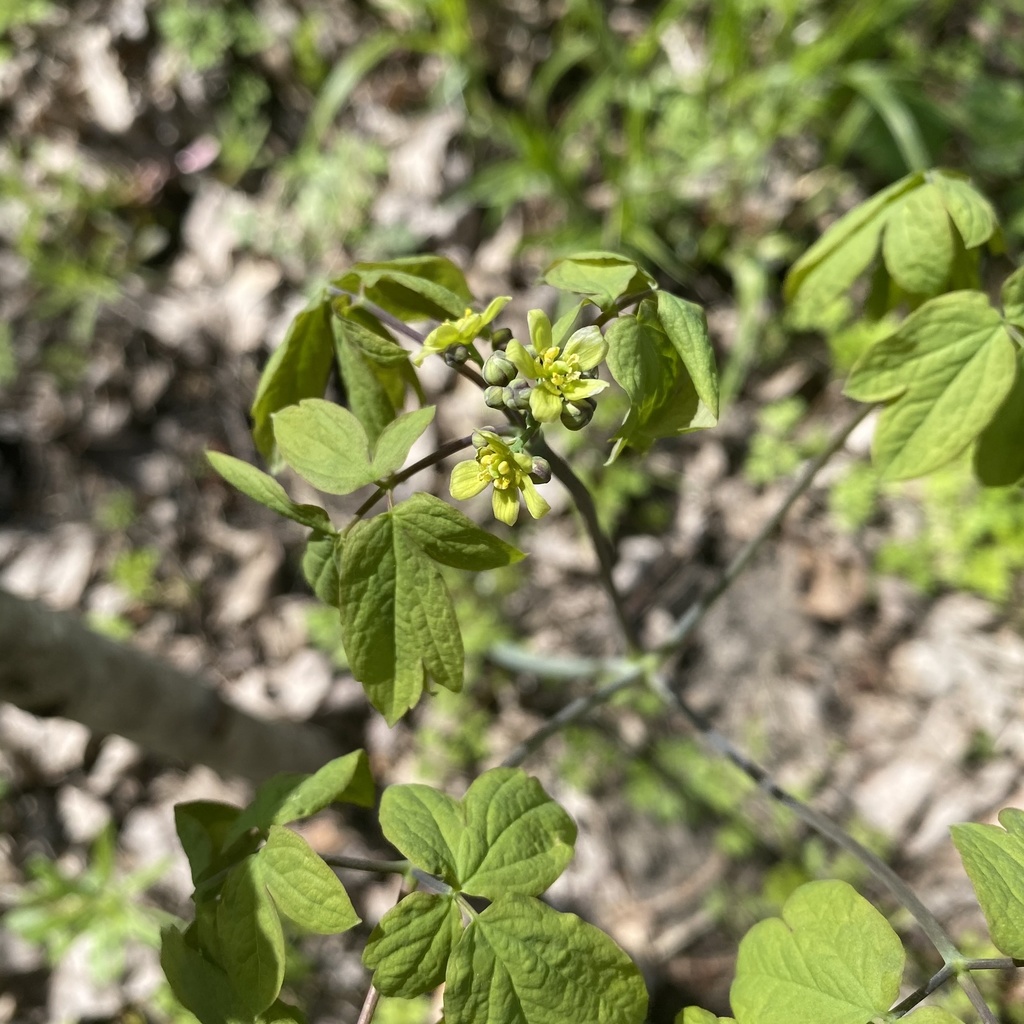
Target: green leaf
column 994, row 860
column 451, row 538
column 199, row 985
column 280, row 1012
column 320, row 566
column 408, row 951
column 426, row 826
column 603, row 276
column 687, row 328
column 325, row 444
column 520, row 962
column 397, row 439
column 1012, row 295
column 697, row 1015
column 970, row 211
column 299, row 368
column 999, row 456
column 203, row 827
column 918, row 244
column 831, row 959
column 374, row 369
column 289, row 796
column 831, row 265
column 506, row 835
column 412, row 287
column 944, row 373
column 516, row 838
column 397, row 619
column 250, row 939
column 303, row 887
column 267, row 491
column 662, row 398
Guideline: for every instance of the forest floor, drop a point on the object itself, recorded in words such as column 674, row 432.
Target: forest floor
column 893, row 711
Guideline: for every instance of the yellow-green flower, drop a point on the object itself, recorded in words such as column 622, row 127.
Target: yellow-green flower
column 558, row 369
column 507, row 471
column 463, row 331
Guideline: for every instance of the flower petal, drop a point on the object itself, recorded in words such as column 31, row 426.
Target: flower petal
column 545, row 405
column 467, row 480
column 540, row 329
column 589, row 345
column 534, row 501
column 577, row 390
column 505, row 505
column 496, row 306
column 522, row 360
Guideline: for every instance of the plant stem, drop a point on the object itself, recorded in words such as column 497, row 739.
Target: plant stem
column 573, row 712
column 693, row 615
column 380, row 867
column 581, row 495
column 369, row 1006
column 442, row 453
column 819, row 822
column 947, row 971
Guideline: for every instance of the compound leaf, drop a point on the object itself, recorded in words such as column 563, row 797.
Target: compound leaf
column 602, row 276
column 506, row 835
column 516, row 838
column 918, row 243
column 451, row 538
column 662, row 398
column 397, row 619
column 944, row 373
column 303, row 887
column 994, row 860
column 199, row 985
column 831, row 958
column 521, row 962
column 425, row 825
column 267, row 491
column 397, row 439
column 687, row 328
column 970, row 211
column 299, row 368
column 999, row 456
column 408, row 951
column 325, row 444
column 249, row 936
column 290, row 796
column 411, row 287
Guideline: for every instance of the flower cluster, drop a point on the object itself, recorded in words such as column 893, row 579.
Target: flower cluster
column 507, row 471
column 565, row 375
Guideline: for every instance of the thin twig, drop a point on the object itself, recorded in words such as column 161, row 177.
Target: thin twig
column 970, row 986
column 573, row 712
column 369, row 1006
column 380, row 867
column 581, row 495
column 819, row 822
column 439, row 455
column 693, row 615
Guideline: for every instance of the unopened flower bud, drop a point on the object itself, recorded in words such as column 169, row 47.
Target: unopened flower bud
column 540, row 473
column 499, row 370
column 500, row 338
column 479, row 440
column 456, row 355
column 518, row 394
column 576, row 415
column 494, row 397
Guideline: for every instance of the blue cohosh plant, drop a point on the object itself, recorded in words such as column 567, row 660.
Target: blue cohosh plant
column 947, row 378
